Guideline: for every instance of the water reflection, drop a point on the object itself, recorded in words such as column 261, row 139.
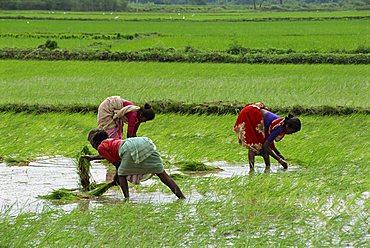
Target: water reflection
column 230, row 170
column 20, row 186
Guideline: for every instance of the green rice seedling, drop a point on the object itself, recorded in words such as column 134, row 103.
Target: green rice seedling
column 16, row 161
column 191, row 165
column 227, row 82
column 100, row 189
column 68, row 195
column 324, row 202
column 63, row 194
column 178, row 176
column 83, row 168
column 300, row 35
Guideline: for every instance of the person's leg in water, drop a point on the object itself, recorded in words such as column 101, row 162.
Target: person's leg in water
column 167, row 180
column 251, row 156
column 124, row 186
column 266, row 158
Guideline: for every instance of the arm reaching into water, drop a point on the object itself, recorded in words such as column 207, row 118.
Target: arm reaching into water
column 277, row 152
column 269, row 152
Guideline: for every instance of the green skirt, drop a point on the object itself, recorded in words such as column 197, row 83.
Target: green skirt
column 139, row 156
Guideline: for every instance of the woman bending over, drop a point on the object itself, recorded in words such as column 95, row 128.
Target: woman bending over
column 257, row 129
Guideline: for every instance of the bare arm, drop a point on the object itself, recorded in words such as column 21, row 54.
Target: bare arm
column 124, row 185
column 92, row 157
column 269, row 151
column 115, row 178
column 277, row 152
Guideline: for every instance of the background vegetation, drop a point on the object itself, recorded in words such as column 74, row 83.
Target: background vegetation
column 67, row 5
column 160, row 5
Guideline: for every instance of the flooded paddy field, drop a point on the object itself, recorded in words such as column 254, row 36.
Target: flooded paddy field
column 21, row 186
column 236, row 213
column 322, row 201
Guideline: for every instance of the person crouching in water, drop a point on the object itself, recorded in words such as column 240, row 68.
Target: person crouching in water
column 257, row 129
column 132, row 156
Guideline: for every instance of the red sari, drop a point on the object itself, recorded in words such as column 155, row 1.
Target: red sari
column 250, row 127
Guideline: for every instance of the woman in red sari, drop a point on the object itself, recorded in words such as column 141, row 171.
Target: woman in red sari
column 257, row 129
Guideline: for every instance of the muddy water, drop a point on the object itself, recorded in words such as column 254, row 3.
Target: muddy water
column 20, row 186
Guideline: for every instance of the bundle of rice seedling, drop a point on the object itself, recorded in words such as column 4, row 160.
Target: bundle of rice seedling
column 62, row 194
column 100, row 189
column 195, row 166
column 83, row 168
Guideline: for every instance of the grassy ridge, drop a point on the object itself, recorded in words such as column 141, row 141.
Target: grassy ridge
column 165, row 107
column 89, row 83
column 300, row 36
column 188, row 55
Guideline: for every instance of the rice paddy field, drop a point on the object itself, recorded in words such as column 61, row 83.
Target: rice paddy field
column 319, row 31
column 322, row 200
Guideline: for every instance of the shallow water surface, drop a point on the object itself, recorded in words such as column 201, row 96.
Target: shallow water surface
column 20, row 186
column 230, row 170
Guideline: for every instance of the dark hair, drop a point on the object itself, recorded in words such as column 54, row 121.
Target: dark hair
column 97, row 135
column 293, row 122
column 147, row 112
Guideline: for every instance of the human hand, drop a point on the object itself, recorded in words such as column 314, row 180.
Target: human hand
column 283, row 163
column 113, row 183
column 88, row 157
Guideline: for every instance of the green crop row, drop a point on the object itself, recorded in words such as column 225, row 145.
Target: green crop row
column 166, row 106
column 173, row 55
column 190, row 56
column 235, row 48
column 89, row 36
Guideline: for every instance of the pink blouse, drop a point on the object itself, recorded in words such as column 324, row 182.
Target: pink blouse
column 132, row 121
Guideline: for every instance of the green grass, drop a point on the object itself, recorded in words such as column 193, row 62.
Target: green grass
column 44, row 82
column 183, row 137
column 189, row 15
column 323, row 203
column 297, row 35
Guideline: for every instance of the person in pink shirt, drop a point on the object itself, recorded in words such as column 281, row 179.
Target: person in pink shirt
column 137, row 155
column 115, row 111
